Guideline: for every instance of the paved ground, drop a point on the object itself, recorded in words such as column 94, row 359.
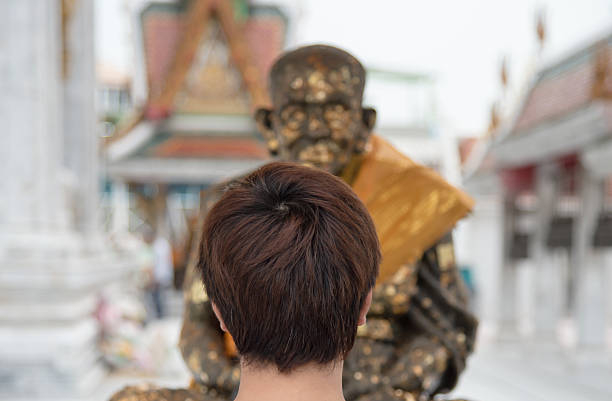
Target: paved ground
column 500, row 372
column 527, row 372
column 511, row 371
column 172, row 374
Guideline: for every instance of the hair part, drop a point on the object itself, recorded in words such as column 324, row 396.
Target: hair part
column 288, row 256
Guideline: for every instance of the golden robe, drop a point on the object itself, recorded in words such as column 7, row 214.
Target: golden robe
column 411, row 205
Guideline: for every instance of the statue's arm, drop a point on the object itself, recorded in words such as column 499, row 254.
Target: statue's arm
column 433, row 359
column 201, row 340
column 152, row 393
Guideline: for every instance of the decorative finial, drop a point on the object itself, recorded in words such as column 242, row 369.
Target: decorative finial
column 541, row 28
column 504, row 73
column 494, row 119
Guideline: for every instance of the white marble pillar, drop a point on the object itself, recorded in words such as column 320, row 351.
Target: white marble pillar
column 120, row 202
column 496, row 283
column 587, row 303
column 524, row 297
column 510, row 280
column 80, row 141
column 30, row 109
column 606, row 259
column 598, row 162
column 49, row 277
column 480, row 245
column 545, row 276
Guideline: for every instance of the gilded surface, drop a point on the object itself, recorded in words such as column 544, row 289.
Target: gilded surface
column 412, row 206
column 153, row 393
column 317, row 117
column 212, row 84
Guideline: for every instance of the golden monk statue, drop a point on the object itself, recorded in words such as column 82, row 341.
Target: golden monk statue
column 419, row 331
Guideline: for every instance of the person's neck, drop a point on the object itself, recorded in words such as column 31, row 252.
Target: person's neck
column 308, row 383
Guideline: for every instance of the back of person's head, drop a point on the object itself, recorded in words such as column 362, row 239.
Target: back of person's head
column 288, row 256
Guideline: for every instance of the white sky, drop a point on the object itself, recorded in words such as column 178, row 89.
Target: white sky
column 459, row 42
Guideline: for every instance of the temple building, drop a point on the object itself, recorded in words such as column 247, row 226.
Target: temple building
column 204, row 64
column 542, row 230
column 113, row 98
column 406, row 113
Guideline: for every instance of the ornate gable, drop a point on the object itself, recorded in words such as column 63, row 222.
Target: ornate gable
column 213, row 84
column 207, row 44
column 567, row 86
column 206, row 66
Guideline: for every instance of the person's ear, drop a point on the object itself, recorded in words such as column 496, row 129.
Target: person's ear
column 364, row 309
column 221, row 322
column 263, row 119
column 368, row 117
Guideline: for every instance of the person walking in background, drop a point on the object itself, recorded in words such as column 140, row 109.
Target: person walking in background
column 160, row 272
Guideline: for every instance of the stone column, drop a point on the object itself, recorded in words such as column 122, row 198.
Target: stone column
column 80, row 141
column 524, row 297
column 30, row 108
column 121, row 206
column 493, row 267
column 161, row 218
column 509, row 278
column 49, row 278
column 588, row 298
column 545, row 275
column 485, row 226
column 606, row 258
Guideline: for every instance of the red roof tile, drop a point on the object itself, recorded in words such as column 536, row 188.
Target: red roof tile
column 265, row 37
column 518, row 179
column 161, row 33
column 162, row 29
column 201, row 147
column 556, row 96
column 564, row 87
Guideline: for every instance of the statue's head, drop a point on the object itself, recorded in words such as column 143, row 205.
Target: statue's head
column 317, row 116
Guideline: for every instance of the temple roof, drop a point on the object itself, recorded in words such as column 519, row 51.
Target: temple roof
column 206, row 63
column 177, row 146
column 176, row 34
column 567, row 109
column 568, row 85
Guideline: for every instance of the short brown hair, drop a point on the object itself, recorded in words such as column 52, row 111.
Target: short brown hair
column 288, row 255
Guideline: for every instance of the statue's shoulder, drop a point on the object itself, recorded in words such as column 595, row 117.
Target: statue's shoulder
column 148, row 392
column 412, row 205
column 383, row 166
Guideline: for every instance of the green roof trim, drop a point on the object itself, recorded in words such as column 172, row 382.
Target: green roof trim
column 399, row 75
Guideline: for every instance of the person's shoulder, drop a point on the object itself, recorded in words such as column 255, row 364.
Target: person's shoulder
column 149, row 392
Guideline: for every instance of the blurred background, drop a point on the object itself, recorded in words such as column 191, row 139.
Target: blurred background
column 105, row 151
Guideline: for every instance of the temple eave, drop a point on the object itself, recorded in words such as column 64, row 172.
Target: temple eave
column 555, row 138
column 200, row 170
